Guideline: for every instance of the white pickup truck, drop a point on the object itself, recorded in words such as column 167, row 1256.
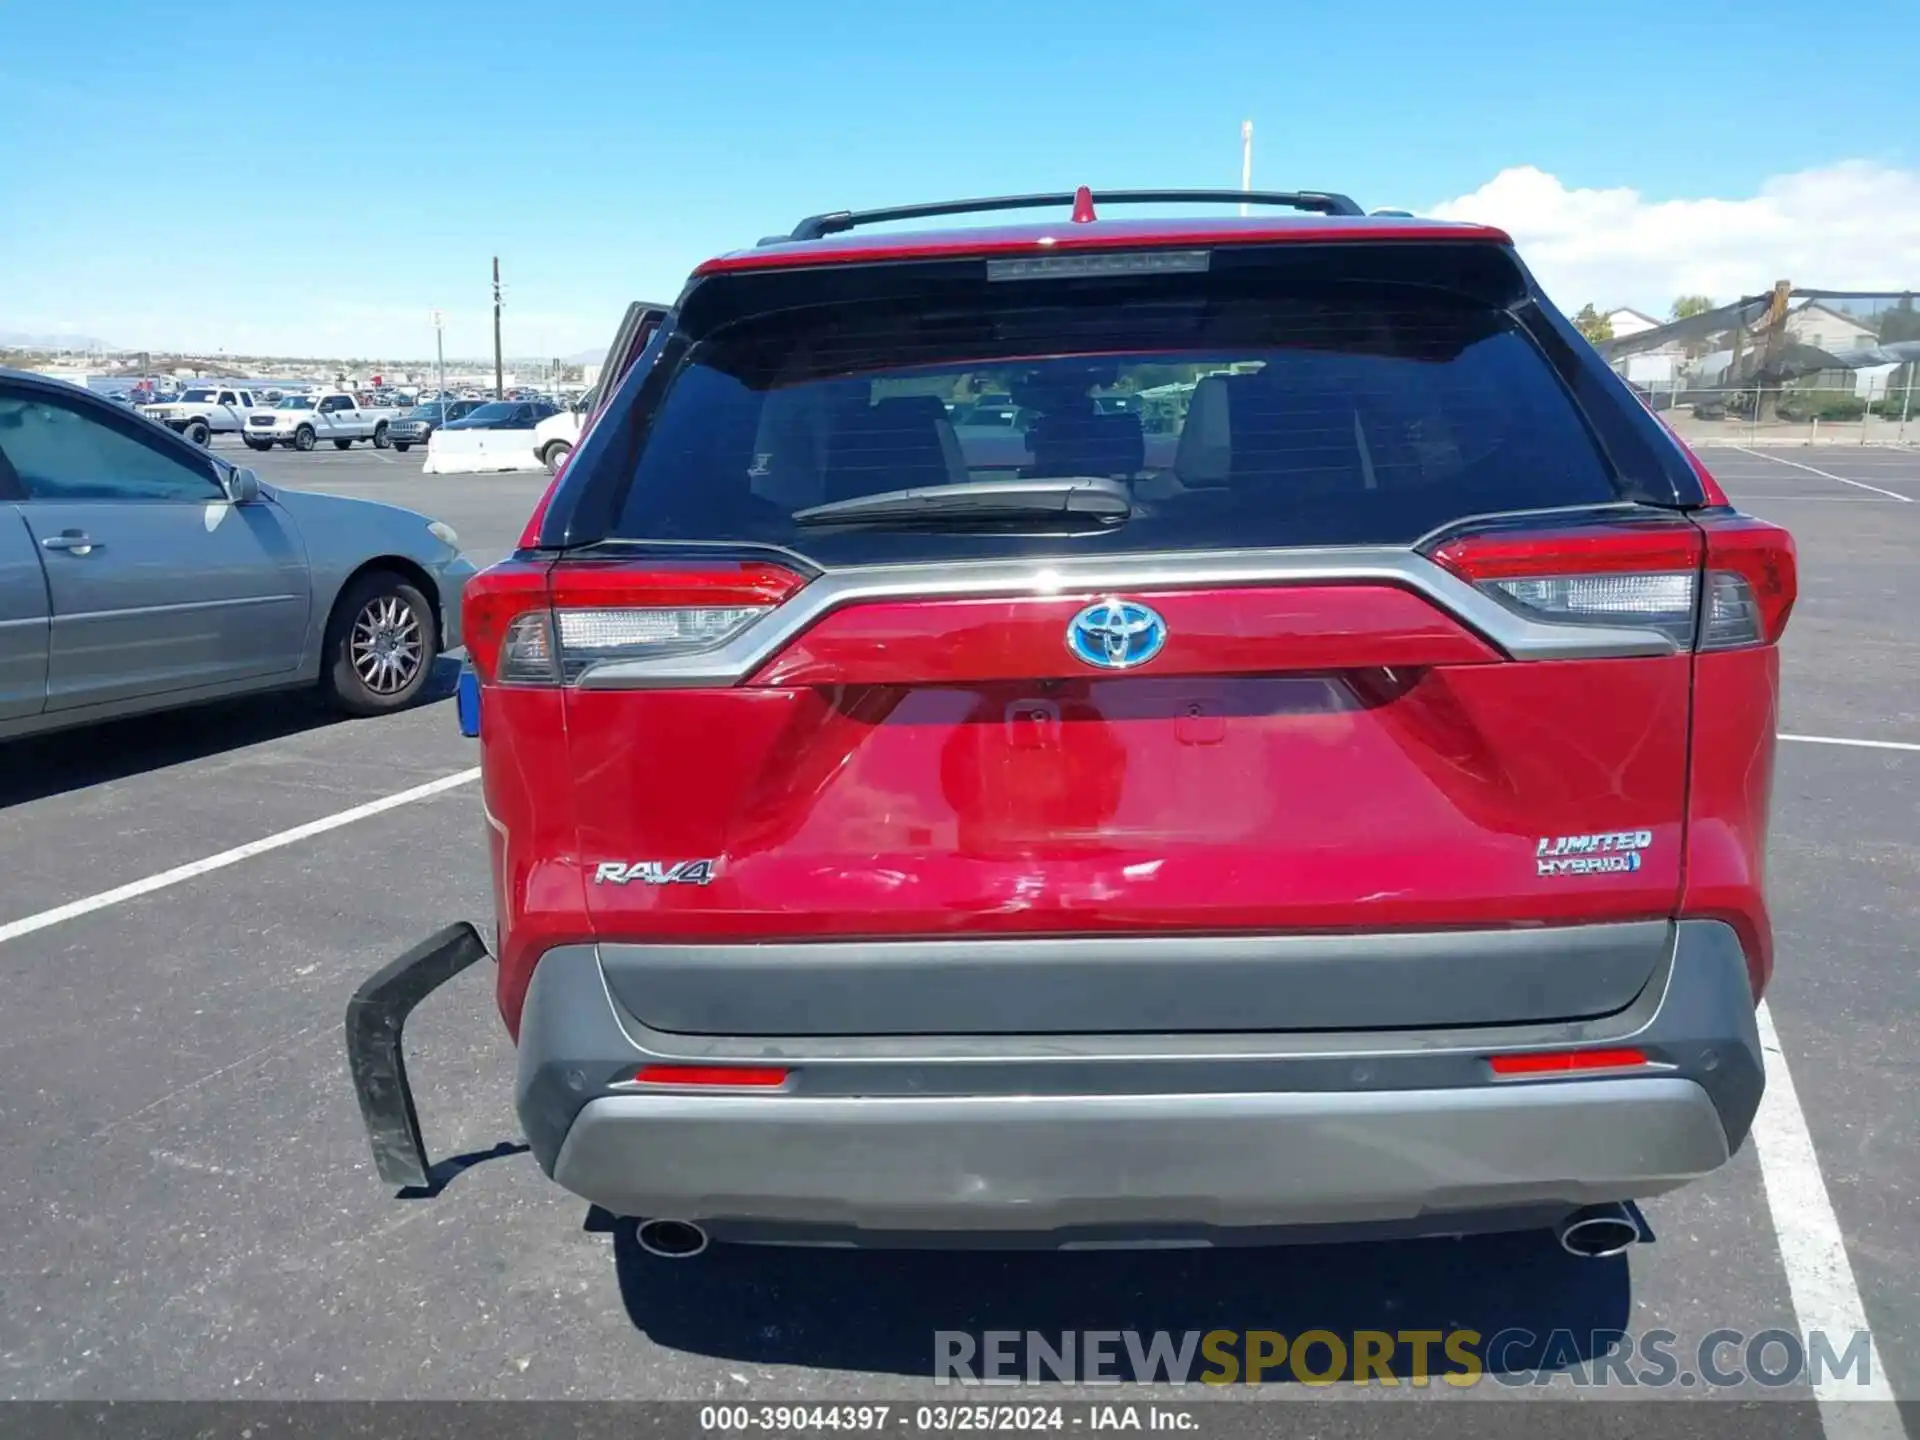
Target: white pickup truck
column 303, row 421
column 555, row 436
column 202, row 411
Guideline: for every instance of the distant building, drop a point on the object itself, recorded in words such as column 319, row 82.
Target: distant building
column 1825, row 328
column 1627, row 322
column 1838, row 333
column 1654, row 369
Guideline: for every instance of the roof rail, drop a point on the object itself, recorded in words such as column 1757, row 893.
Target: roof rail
column 816, row 227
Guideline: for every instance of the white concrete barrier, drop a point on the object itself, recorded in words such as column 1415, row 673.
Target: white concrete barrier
column 480, row 452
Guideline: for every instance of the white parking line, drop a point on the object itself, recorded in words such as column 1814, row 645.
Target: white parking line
column 1859, row 744
column 1824, row 475
column 13, row 930
column 1826, row 1298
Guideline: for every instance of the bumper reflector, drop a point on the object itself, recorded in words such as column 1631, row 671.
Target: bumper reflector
column 1562, row 1062
column 735, row 1076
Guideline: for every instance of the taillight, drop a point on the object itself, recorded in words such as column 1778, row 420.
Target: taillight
column 1645, row 575
column 587, row 612
column 1753, row 578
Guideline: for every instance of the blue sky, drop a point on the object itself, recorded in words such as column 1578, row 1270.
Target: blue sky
column 298, row 178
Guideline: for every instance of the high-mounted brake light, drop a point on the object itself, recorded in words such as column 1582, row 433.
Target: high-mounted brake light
column 1095, row 264
column 548, row 624
column 1641, row 575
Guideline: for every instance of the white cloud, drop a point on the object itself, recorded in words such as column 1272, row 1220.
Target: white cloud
column 1850, row 226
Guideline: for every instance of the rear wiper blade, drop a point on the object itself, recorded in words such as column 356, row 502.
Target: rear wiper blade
column 1079, row 496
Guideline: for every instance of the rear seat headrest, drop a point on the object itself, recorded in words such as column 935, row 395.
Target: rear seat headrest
column 1203, row 457
column 902, row 441
column 1305, row 434
column 1082, row 442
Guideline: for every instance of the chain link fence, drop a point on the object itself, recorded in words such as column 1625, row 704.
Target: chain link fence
column 1795, row 366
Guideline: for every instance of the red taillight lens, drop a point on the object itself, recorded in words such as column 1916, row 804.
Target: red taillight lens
column 492, row 601
column 1563, row 1062
column 1753, row 579
column 744, row 1077
column 547, row 623
column 1642, row 575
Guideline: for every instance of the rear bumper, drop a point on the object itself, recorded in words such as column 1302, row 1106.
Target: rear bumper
column 1138, row 1161
column 452, row 578
column 1137, row 1134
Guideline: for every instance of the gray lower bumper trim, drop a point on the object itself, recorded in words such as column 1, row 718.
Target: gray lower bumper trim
column 1023, row 1163
column 1155, row 984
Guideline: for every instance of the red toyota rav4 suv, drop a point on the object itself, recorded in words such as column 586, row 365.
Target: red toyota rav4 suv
column 1314, row 773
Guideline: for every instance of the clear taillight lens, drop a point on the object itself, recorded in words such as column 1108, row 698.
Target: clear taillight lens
column 526, row 655
column 1733, row 614
column 534, row 654
column 1661, row 601
column 588, row 637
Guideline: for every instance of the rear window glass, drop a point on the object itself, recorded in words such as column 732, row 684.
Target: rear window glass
column 1347, row 415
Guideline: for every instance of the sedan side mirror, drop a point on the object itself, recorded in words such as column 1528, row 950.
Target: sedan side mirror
column 243, row 486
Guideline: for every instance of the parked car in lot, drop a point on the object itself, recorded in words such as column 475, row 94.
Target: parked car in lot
column 416, row 427
column 139, row 572
column 554, row 437
column 303, row 421
column 1355, row 820
column 202, row 411
column 504, row 415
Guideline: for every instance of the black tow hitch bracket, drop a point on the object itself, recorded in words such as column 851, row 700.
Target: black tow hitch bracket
column 376, row 1015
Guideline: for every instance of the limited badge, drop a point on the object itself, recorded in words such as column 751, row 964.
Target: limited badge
column 1607, row 852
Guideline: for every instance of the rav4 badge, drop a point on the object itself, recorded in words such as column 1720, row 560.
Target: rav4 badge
column 655, row 872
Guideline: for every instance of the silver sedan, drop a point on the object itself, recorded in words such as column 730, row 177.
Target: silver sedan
column 139, row 572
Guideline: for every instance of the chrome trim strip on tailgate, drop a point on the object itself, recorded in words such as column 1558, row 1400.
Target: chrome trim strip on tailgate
column 1517, row 636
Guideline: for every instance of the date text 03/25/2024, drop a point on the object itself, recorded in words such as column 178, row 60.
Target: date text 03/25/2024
column 880, row 1419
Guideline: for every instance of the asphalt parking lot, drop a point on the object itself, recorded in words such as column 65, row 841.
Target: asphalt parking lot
column 191, row 1209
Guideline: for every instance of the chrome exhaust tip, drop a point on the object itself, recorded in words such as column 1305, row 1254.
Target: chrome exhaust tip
column 671, row 1239
column 1598, row 1232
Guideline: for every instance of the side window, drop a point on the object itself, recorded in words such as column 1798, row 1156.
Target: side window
column 336, row 402
column 227, row 398
column 65, row 452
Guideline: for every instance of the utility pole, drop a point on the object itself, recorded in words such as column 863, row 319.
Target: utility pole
column 1766, row 400
column 499, row 374
column 440, row 354
column 1246, row 159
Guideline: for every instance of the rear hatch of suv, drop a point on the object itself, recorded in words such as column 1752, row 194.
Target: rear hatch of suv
column 1313, row 654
